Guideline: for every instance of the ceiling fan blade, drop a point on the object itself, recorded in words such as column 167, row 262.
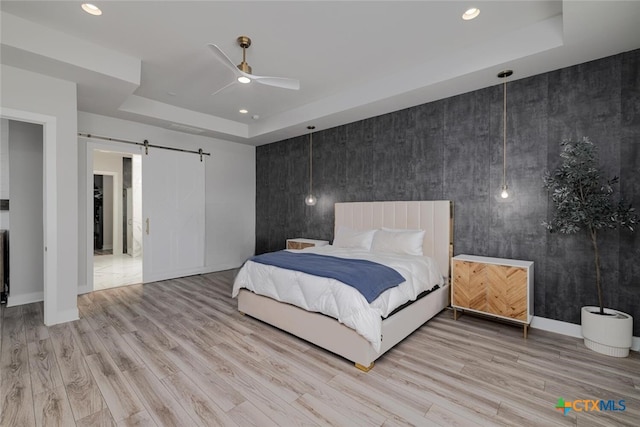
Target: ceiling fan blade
column 222, row 57
column 223, row 87
column 281, row 82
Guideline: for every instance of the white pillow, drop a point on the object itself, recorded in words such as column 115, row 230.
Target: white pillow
column 405, row 242
column 356, row 239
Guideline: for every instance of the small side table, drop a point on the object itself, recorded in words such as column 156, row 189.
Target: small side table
column 498, row 287
column 300, row 243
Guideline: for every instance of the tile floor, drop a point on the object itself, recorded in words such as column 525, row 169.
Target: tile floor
column 110, row 271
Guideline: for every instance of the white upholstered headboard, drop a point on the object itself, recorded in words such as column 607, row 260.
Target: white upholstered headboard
column 435, row 217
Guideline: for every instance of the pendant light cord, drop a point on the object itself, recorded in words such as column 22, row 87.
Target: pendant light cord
column 311, row 163
column 504, row 135
column 503, row 75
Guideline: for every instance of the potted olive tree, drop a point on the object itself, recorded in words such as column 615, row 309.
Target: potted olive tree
column 584, row 203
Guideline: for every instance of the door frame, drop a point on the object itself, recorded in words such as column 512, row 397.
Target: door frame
column 114, row 147
column 49, row 203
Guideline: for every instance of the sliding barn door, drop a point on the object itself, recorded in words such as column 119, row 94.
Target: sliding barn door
column 173, row 200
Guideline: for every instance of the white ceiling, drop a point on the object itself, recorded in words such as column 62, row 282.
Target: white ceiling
column 148, row 61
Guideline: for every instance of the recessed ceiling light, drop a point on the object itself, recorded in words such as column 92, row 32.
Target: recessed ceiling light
column 91, row 9
column 243, row 79
column 471, row 13
column 243, row 111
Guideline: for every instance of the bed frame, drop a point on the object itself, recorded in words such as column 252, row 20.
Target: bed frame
column 436, row 217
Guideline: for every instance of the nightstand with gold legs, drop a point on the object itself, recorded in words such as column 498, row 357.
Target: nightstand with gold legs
column 496, row 287
column 300, row 243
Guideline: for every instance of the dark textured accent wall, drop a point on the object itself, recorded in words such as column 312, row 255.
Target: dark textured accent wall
column 452, row 149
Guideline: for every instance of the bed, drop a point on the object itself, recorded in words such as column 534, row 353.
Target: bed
column 434, row 217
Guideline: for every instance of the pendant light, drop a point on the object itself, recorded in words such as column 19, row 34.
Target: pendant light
column 503, row 75
column 310, row 200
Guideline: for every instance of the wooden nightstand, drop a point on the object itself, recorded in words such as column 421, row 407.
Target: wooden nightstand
column 300, row 243
column 494, row 286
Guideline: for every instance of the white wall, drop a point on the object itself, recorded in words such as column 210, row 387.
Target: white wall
column 35, row 93
column 26, row 241
column 229, row 185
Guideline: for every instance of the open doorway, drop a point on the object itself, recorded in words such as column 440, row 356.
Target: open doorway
column 50, row 225
column 22, row 268
column 117, row 219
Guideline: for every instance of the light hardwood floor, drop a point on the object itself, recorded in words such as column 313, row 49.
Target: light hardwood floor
column 178, row 353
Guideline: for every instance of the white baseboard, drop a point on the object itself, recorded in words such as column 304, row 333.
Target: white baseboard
column 556, row 326
column 172, row 275
column 193, row 272
column 60, row 317
column 14, row 300
column 219, row 267
column 84, row 289
column 67, row 316
column 569, row 329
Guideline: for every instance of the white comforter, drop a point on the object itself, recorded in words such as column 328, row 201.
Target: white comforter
column 334, row 298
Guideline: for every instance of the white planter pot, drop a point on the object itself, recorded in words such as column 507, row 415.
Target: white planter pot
column 609, row 334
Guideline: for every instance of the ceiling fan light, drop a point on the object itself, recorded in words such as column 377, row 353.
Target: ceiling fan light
column 244, row 79
column 471, row 13
column 91, row 9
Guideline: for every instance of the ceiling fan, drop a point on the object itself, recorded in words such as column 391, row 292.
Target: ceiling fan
column 243, row 70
